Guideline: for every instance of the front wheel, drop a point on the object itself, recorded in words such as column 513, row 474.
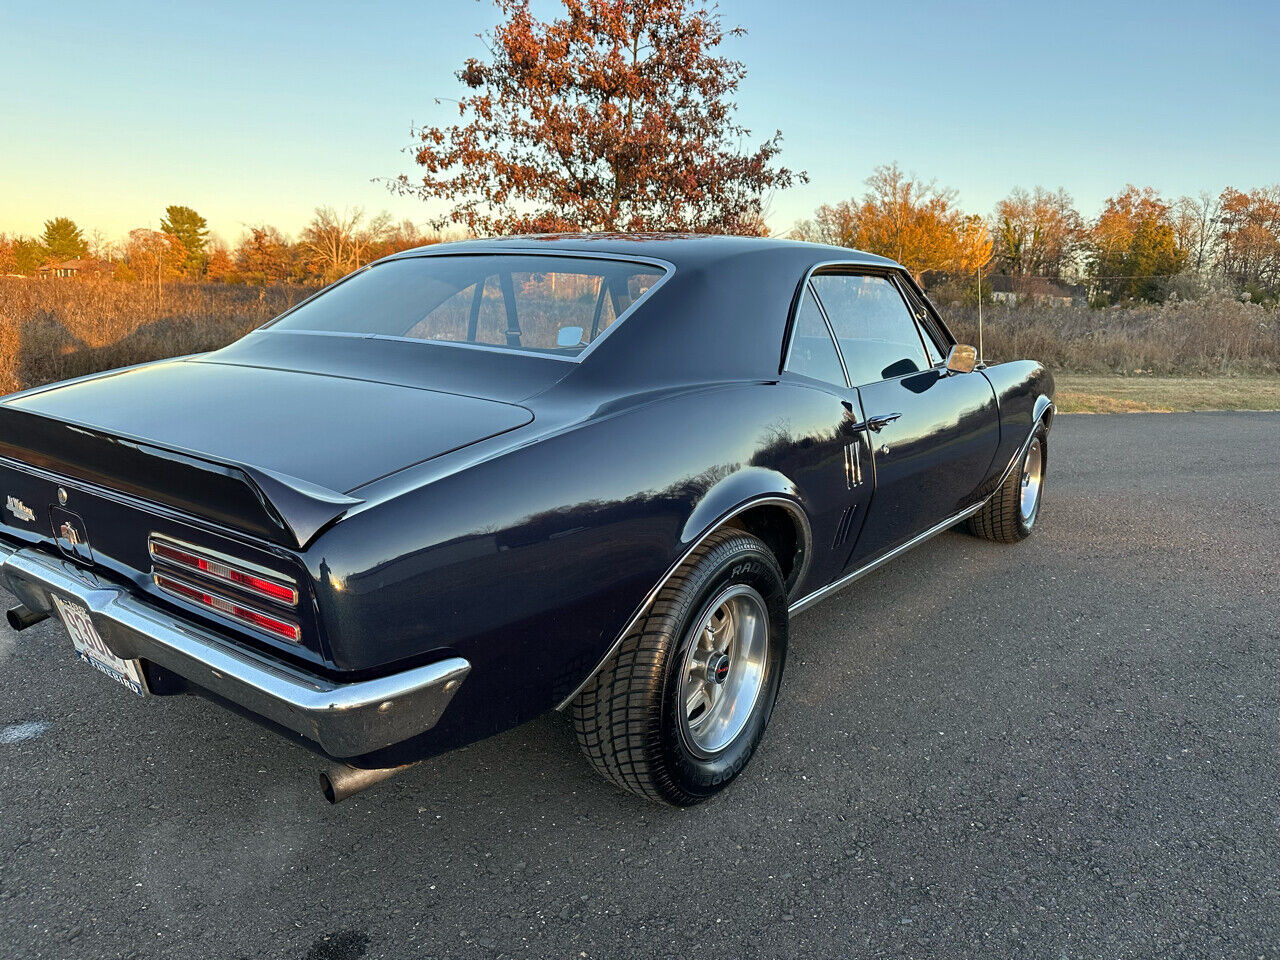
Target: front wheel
column 678, row 710
column 1012, row 510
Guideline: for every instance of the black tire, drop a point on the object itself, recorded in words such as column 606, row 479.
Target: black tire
column 1001, row 518
column 628, row 718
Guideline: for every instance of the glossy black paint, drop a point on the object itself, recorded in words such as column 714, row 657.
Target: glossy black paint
column 251, row 415
column 517, row 510
column 932, row 460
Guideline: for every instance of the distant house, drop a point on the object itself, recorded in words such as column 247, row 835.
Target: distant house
column 1041, row 291
column 75, row 268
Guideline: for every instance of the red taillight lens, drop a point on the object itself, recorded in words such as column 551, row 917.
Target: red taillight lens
column 230, row 608
column 223, row 569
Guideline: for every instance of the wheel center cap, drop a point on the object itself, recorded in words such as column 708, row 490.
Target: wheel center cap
column 718, row 668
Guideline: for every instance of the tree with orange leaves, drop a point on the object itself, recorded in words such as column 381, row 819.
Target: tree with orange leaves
column 152, row 256
column 614, row 117
column 912, row 221
column 1249, row 237
column 1134, row 248
column 1037, row 233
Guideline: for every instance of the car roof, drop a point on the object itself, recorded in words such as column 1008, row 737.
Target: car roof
column 680, row 249
column 721, row 314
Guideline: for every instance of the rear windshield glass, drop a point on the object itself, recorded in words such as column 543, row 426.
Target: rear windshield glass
column 545, row 304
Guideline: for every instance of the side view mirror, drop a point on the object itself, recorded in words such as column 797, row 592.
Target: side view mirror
column 569, row 337
column 962, row 359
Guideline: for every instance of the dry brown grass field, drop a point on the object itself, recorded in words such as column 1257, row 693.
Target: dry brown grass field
column 52, row 330
column 1215, row 337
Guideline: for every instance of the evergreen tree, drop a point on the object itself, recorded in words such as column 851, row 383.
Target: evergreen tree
column 192, row 231
column 62, row 240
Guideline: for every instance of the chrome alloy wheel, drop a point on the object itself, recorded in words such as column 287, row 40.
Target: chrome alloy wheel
column 724, row 670
column 1032, row 475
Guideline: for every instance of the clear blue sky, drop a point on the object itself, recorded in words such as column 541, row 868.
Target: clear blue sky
column 257, row 112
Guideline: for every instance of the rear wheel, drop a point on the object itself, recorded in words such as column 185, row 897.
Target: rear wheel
column 1012, row 510
column 678, row 710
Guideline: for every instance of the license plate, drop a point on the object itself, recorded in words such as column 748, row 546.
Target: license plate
column 92, row 650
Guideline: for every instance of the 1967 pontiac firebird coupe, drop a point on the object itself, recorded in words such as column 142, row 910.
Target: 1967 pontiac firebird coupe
column 478, row 481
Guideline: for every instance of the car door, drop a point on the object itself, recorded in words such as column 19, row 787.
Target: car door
column 831, row 462
column 931, row 434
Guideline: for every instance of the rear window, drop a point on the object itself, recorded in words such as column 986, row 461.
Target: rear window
column 543, row 304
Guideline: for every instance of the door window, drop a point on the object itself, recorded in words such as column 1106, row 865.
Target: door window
column 934, row 342
column 813, row 354
column 876, row 331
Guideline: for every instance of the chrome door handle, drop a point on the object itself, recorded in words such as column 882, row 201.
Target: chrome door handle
column 876, row 424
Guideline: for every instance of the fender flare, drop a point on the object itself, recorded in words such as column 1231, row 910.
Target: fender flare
column 741, row 490
column 734, row 495
column 1043, row 412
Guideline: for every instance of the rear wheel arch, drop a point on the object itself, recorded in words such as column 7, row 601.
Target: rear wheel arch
column 764, row 503
column 784, row 530
column 768, row 514
column 638, row 718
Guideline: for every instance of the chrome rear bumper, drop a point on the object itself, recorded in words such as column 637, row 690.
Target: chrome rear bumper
column 345, row 719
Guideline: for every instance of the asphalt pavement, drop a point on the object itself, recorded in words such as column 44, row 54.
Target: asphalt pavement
column 1065, row 748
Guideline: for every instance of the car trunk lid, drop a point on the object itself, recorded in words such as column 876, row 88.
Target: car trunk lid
column 257, row 448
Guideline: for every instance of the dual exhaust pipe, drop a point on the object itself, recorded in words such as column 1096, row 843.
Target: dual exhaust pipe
column 337, row 782
column 22, row 616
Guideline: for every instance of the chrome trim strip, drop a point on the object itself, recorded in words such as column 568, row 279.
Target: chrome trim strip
column 807, row 552
column 345, row 719
column 838, row 585
column 235, row 563
column 919, row 538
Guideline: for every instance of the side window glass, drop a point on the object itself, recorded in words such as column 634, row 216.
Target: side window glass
column 934, row 344
column 877, row 332
column 812, row 352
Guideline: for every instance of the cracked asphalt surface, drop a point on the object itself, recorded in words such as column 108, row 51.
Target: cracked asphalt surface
column 1066, row 748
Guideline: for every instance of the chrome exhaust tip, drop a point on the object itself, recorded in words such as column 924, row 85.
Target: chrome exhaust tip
column 22, row 616
column 339, row 781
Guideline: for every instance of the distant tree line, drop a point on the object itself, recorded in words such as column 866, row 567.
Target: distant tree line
column 333, row 244
column 1140, row 246
column 620, row 116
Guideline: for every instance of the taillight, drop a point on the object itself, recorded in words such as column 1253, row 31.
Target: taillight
column 229, row 608
column 266, row 584
column 179, row 567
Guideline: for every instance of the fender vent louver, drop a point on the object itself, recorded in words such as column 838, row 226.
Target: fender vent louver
column 842, row 529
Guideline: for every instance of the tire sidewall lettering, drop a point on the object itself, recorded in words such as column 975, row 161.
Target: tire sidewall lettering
column 694, row 774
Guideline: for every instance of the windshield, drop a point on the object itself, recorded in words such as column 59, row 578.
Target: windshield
column 545, row 304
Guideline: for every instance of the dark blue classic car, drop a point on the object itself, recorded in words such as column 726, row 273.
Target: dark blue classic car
column 479, row 481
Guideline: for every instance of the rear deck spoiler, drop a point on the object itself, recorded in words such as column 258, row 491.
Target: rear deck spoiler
column 271, row 505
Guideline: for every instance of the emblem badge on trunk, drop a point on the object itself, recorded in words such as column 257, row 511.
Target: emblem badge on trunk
column 70, row 534
column 19, row 509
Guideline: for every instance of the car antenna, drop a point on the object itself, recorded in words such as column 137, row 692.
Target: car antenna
column 980, row 315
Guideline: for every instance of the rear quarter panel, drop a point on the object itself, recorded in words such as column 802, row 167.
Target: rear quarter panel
column 529, row 564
